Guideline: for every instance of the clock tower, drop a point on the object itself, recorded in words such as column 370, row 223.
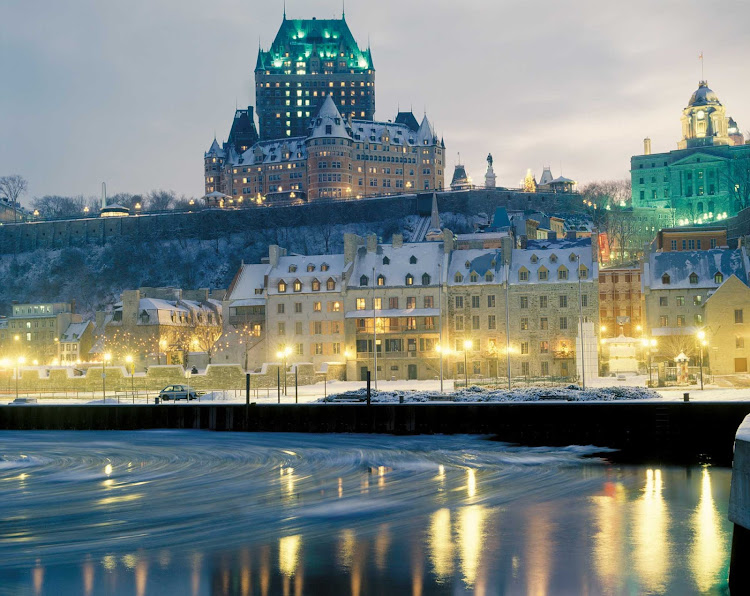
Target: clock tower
column 704, row 120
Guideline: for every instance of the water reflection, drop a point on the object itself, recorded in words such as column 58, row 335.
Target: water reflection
column 228, row 515
column 708, row 552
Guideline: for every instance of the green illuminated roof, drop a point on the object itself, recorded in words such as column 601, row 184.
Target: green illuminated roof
column 303, row 39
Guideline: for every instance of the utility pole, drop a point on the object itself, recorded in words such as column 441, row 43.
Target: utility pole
column 507, row 320
column 440, row 322
column 374, row 335
column 580, row 316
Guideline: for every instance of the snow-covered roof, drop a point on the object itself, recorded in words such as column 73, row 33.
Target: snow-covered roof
column 426, row 132
column 552, row 255
column 329, row 116
column 480, row 262
column 546, row 176
column 373, row 131
column 394, row 264
column 74, row 331
column 291, row 149
column 215, row 150
column 249, row 279
column 678, row 267
column 293, row 268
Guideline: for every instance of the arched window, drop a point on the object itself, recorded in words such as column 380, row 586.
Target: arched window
column 331, row 284
column 425, row 279
column 315, row 285
column 363, row 281
column 409, row 279
column 297, row 285
column 381, row 280
column 718, row 278
column 665, row 279
column 413, row 260
column 458, row 278
column 282, row 286
column 693, row 278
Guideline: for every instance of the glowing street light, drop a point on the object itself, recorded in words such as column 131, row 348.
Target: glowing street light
column 649, row 345
column 467, row 347
column 129, row 360
column 283, row 353
column 701, row 343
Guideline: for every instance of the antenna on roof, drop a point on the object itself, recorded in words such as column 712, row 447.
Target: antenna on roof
column 701, row 59
column 343, row 9
column 285, row 10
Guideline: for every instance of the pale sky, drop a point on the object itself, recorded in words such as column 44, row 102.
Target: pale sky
column 131, row 92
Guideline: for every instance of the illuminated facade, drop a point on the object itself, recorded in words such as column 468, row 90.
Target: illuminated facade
column 309, row 60
column 704, row 179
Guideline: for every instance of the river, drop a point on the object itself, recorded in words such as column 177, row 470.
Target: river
column 197, row 512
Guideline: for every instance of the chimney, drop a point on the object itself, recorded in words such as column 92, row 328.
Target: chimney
column 448, row 244
column 372, row 243
column 100, row 314
column 274, row 253
column 646, row 146
column 595, row 246
column 351, row 243
column 506, row 246
column 398, row 240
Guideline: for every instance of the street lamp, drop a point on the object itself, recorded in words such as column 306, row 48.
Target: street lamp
column 283, row 353
column 702, row 342
column 467, row 347
column 649, row 345
column 442, row 351
column 105, row 358
column 129, row 360
column 19, row 361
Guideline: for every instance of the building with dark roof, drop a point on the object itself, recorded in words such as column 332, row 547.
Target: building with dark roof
column 308, row 60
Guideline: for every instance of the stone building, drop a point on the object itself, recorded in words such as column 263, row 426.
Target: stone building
column 620, row 302
column 336, row 158
column 75, row 343
column 697, row 181
column 727, row 327
column 690, row 238
column 161, row 326
column 551, row 283
column 34, row 329
column 391, row 307
column 311, row 59
column 676, row 285
column 305, row 308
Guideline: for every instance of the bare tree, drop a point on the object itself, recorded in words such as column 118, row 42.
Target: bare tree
column 204, row 338
column 160, row 200
column 11, row 189
column 54, row 206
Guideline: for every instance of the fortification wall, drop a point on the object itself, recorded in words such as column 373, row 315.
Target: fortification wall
column 213, row 223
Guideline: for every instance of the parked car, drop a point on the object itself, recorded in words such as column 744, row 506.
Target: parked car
column 175, row 392
column 23, row 400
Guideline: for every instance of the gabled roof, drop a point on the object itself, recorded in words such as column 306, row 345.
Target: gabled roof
column 733, row 282
column 75, row 331
column 249, row 278
column 480, row 261
column 426, row 132
column 329, row 115
column 408, row 120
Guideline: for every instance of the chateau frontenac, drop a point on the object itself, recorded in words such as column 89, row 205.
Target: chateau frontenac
column 315, row 96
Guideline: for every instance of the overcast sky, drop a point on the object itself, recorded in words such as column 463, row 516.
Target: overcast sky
column 131, row 92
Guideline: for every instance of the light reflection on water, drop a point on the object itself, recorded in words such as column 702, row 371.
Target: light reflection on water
column 184, row 512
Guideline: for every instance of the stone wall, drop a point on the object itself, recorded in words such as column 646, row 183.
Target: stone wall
column 216, row 376
column 212, row 223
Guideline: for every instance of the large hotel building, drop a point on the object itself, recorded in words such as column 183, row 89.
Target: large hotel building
column 315, row 96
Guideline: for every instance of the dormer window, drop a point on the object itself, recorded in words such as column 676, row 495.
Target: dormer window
column 324, row 267
column 467, row 264
column 523, row 274
column 363, row 281
column 693, row 278
column 329, row 129
column 409, row 281
column 311, row 267
column 534, row 258
column 474, row 277
column 718, row 278
column 665, row 279
column 297, row 286
column 412, row 260
column 282, row 286
column 386, row 261
column 315, row 285
column 573, row 257
column 458, row 278
column 381, row 280
column 553, row 258
column 331, row 284
column 292, row 268
column 562, row 273
column 583, row 273
column 425, row 279
column 489, row 276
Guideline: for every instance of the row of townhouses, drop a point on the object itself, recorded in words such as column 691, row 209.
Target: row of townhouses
column 412, row 305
